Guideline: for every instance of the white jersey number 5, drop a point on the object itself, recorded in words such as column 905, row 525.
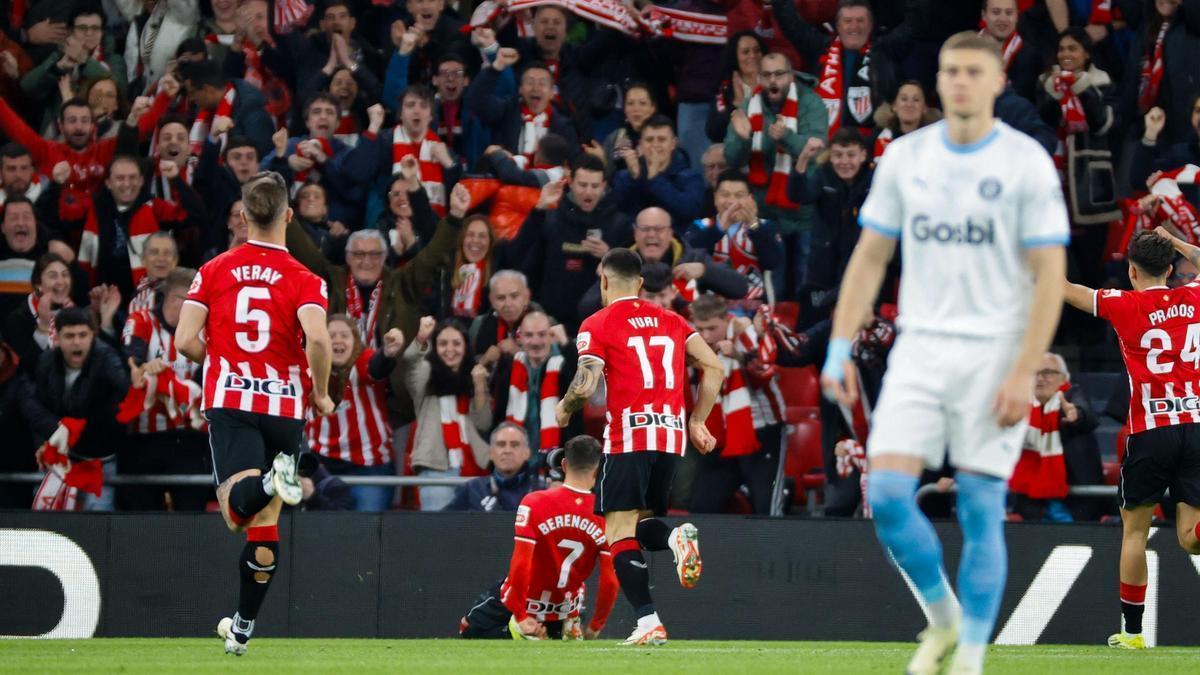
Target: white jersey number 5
column 257, row 340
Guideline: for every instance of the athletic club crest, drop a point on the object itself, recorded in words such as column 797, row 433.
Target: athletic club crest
column 859, row 100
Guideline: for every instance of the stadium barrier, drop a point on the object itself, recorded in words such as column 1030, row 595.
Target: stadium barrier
column 1097, row 491
column 207, row 479
column 414, row 574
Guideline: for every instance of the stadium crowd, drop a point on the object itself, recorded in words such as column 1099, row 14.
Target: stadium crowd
column 728, row 142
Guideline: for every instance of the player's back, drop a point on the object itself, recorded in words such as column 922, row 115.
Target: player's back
column 568, row 539
column 1159, row 333
column 255, row 358
column 644, row 350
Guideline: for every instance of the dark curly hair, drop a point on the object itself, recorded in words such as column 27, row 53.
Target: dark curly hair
column 1151, row 253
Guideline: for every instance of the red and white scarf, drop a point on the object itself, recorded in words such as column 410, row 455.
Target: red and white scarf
column 663, row 22
column 1073, row 120
column 1041, row 472
column 431, row 172
column 831, row 86
column 776, row 178
column 143, row 223
column 60, row 488
column 52, row 330
column 291, row 14
column 299, row 178
column 1102, row 13
column 204, row 119
column 885, row 137
column 736, row 249
column 366, row 316
column 1012, row 45
column 1152, row 72
column 1173, row 206
column 550, row 436
column 454, row 410
column 732, row 421
column 469, row 294
column 534, row 127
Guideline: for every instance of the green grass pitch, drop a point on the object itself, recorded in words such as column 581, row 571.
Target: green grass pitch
column 602, row 656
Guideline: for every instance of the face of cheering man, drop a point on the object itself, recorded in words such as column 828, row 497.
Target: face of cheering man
column 550, row 30
column 425, row 13
column 365, row 256
column 652, row 234
column 416, row 114
column 451, row 80
column 534, row 337
column 587, row 189
column 1050, row 377
column 89, row 30
column 713, row 163
column 776, row 78
column 657, row 145
column 343, row 87
column 77, row 126
column 854, row 26
column 341, row 338
column 310, row 203
column 536, row 90
column 173, row 143
column 1000, row 18
column 16, row 173
column 75, row 342
column 847, row 160
column 338, row 19
column 20, row 227
column 243, row 162
column 509, row 297
column 509, row 451
column 160, row 256
column 713, row 330
column 730, row 193
column 322, row 119
column 102, row 99
column 172, row 304
column 125, row 181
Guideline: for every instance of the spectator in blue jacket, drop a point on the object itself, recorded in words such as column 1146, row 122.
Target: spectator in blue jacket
column 658, row 173
column 511, row 479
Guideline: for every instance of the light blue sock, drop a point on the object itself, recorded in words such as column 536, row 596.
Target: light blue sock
column 907, row 533
column 983, row 569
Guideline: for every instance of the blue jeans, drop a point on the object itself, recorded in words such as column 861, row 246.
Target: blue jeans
column 690, row 120
column 436, row 497
column 372, row 498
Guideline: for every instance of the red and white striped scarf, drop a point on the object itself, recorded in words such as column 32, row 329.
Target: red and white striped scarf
column 52, row 331
column 884, row 139
column 776, row 179
column 1073, row 120
column 1152, row 72
column 431, row 172
column 366, row 316
column 204, row 119
column 732, row 421
column 143, row 223
column 550, row 435
column 60, row 488
column 172, row 399
column 358, row 430
column 143, row 296
column 299, row 178
column 291, row 14
column 831, row 86
column 736, row 249
column 1173, row 206
column 453, row 411
column 1041, row 472
column 469, row 294
column 1102, row 13
column 1012, row 45
column 534, row 127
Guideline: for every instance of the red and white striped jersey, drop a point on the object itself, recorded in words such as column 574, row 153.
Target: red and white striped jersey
column 255, row 360
column 145, row 327
column 358, row 431
column 1159, row 333
column 643, row 348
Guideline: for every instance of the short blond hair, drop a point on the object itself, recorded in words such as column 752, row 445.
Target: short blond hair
column 973, row 41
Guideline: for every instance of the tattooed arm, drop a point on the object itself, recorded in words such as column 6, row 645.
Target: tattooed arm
column 587, row 378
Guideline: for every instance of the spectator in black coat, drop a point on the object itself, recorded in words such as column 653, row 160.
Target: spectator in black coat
column 565, row 236
column 547, row 166
column 28, row 325
column 1153, row 153
column 80, row 378
column 337, row 37
column 1022, row 60
column 1180, row 66
column 657, row 173
column 519, row 123
column 24, row 239
column 1020, row 114
column 880, row 55
column 206, row 86
column 511, row 479
column 736, row 235
column 838, row 188
column 221, row 184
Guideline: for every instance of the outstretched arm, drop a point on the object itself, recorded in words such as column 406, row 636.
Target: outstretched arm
column 587, row 378
column 1080, row 297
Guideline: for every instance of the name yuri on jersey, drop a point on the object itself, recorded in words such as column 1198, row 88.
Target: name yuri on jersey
column 574, row 521
column 970, row 232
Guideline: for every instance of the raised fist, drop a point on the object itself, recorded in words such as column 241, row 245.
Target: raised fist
column 425, row 329
column 168, row 169
column 1155, row 120
column 393, row 341
column 552, row 192
column 221, row 124
column 61, row 172
column 376, row 115
column 460, row 200
column 506, row 57
column 483, row 37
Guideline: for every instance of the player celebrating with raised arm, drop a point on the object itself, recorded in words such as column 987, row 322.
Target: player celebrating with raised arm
column 640, row 350
column 1159, row 331
column 978, row 209
column 558, row 540
column 265, row 347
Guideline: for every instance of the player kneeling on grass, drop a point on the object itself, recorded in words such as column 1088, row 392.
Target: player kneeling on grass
column 265, row 348
column 558, row 541
column 1157, row 327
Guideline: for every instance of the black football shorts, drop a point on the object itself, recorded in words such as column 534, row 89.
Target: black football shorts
column 242, row 440
column 1157, row 459
column 636, row 481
